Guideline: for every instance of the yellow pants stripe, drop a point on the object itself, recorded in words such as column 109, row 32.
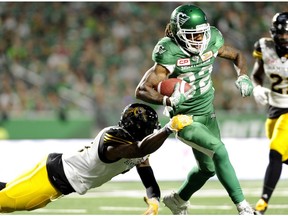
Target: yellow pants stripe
column 29, row 191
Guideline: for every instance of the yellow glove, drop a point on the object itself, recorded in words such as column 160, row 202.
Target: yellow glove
column 178, row 122
column 153, row 206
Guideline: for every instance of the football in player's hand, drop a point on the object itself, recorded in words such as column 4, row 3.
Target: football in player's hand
column 166, row 87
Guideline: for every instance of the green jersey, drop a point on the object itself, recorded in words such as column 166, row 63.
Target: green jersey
column 194, row 69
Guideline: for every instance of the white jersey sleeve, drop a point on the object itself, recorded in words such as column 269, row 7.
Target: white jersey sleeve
column 85, row 169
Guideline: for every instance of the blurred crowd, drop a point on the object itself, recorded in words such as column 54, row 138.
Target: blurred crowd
column 86, row 58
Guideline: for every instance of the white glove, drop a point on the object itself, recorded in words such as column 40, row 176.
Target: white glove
column 178, row 98
column 261, row 94
column 245, row 85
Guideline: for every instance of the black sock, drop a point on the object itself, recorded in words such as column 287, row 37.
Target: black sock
column 272, row 175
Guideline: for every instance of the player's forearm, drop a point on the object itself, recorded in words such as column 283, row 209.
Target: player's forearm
column 146, row 91
column 240, row 64
column 240, row 70
column 149, row 95
column 154, row 141
column 256, row 80
column 142, row 148
column 236, row 57
column 148, row 179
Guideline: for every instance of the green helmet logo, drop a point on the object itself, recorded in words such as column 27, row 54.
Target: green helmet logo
column 190, row 28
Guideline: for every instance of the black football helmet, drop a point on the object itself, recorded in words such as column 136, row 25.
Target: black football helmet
column 279, row 30
column 139, row 120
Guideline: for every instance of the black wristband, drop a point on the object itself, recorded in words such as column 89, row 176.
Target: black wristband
column 148, row 179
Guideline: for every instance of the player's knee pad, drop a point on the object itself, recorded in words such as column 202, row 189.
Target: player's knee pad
column 208, row 170
column 9, row 204
column 204, row 174
column 221, row 154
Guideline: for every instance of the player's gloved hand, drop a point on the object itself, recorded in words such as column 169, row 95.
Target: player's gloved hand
column 153, row 206
column 261, row 94
column 245, row 85
column 178, row 122
column 178, row 98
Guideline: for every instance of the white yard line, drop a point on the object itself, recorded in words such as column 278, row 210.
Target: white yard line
column 204, row 207
column 66, row 211
column 120, row 208
column 141, row 193
column 200, row 193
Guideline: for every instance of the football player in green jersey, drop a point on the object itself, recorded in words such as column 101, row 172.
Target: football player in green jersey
column 188, row 51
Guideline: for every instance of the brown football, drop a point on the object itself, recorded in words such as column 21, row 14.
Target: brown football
column 166, row 87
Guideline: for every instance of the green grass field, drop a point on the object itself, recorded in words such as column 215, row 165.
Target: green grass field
column 126, row 198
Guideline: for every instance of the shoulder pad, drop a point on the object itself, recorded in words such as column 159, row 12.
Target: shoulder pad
column 217, row 39
column 267, row 41
column 260, row 44
column 165, row 51
column 257, row 46
column 117, row 135
column 257, row 53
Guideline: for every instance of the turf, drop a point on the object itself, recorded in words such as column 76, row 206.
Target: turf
column 126, row 198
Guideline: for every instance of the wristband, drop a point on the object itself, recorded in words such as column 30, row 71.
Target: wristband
column 168, row 130
column 148, row 179
column 164, row 102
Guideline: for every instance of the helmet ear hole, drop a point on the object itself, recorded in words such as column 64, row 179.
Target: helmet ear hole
column 139, row 120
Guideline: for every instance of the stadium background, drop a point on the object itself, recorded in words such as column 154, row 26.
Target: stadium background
column 68, row 69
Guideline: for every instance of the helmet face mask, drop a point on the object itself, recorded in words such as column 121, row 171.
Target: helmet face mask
column 189, row 38
column 190, row 28
column 279, row 30
column 139, row 120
